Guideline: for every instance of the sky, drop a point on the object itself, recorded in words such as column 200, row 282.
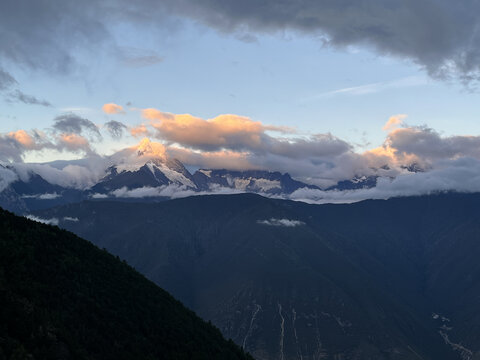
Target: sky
column 324, row 89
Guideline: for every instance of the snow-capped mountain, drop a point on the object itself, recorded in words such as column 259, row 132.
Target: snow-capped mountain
column 153, row 173
column 358, row 182
column 258, row 181
column 146, row 177
column 23, row 192
column 145, row 172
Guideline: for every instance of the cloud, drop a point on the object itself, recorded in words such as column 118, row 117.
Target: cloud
column 140, row 131
column 72, row 132
column 6, row 80
column 239, row 143
column 135, row 57
column 99, row 196
column 223, row 159
column 43, row 33
column 171, row 191
column 52, row 221
column 372, row 88
column 78, row 174
column 281, row 222
column 427, row 144
column 460, row 175
column 231, row 131
column 10, row 149
column 112, row 108
column 421, row 144
column 19, row 96
column 115, row 128
column 394, row 122
column 239, row 133
column 440, row 35
column 150, row 149
column 74, row 124
column 14, row 144
column 7, row 176
column 320, row 159
column 46, row 196
column 69, row 132
column 74, row 143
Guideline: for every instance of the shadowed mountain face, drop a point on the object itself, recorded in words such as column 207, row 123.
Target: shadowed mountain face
column 63, row 298
column 395, row 279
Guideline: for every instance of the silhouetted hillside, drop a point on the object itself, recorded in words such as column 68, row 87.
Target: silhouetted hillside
column 63, row 298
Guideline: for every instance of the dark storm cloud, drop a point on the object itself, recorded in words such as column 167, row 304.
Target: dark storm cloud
column 115, row 128
column 42, row 34
column 441, row 36
column 74, row 124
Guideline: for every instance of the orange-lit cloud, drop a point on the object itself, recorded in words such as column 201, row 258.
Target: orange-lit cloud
column 238, row 143
column 140, row 131
column 394, row 122
column 223, row 131
column 229, row 134
column 112, row 108
column 23, row 138
column 151, row 149
column 73, row 143
column 13, row 145
column 225, row 159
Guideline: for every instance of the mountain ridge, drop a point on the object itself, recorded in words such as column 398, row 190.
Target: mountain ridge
column 63, row 298
column 156, row 178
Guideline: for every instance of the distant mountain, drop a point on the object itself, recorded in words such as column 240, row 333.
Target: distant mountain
column 154, row 173
column 394, row 279
column 256, row 181
column 33, row 192
column 36, row 193
column 145, row 177
column 63, row 298
column 360, row 182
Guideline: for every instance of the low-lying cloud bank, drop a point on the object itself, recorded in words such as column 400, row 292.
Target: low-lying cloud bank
column 171, row 191
column 52, row 221
column 461, row 175
column 281, row 222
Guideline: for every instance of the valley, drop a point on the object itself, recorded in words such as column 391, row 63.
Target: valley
column 288, row 279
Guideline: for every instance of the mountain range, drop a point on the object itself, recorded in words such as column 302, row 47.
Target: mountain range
column 142, row 175
column 155, row 179
column 378, row 279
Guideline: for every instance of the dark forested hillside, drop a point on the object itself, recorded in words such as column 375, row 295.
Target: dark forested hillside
column 383, row 279
column 63, row 298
